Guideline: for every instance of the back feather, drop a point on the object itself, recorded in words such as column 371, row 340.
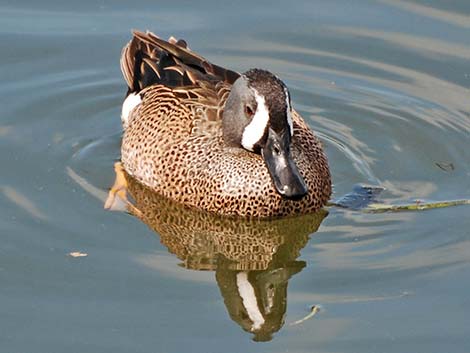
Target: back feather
column 147, row 60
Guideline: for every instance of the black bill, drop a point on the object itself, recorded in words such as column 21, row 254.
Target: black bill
column 284, row 173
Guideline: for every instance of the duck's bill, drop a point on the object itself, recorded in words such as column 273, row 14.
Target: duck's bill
column 282, row 168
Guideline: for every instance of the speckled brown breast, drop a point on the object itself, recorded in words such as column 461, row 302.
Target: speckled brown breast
column 175, row 146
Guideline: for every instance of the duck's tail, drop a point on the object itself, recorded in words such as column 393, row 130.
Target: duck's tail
column 147, row 60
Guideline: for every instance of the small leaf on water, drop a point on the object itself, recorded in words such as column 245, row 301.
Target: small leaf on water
column 446, row 166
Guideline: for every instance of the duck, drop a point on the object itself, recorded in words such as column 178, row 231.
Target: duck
column 216, row 140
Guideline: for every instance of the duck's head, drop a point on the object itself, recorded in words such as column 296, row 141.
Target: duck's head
column 258, row 117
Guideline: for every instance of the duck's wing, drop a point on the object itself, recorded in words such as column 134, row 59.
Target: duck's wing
column 148, row 60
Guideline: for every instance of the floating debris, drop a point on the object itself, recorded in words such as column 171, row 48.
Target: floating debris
column 446, row 166
column 418, row 205
column 359, row 198
column 313, row 311
column 77, row 254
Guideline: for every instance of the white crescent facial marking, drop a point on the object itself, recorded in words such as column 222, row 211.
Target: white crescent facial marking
column 254, row 131
column 132, row 101
column 247, row 293
column 289, row 112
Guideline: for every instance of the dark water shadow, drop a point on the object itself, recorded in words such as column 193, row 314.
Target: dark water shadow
column 253, row 259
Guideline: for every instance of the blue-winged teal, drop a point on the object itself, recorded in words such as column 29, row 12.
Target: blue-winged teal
column 213, row 139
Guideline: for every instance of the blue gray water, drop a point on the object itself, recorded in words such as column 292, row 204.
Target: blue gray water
column 386, row 84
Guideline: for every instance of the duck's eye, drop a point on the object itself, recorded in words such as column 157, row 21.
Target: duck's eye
column 249, row 111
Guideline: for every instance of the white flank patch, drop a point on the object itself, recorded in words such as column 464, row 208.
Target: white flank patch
column 247, row 293
column 289, row 113
column 132, row 101
column 254, row 131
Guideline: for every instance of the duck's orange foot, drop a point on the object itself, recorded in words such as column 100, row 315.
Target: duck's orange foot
column 117, row 196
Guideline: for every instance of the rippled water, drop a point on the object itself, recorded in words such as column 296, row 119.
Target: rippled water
column 385, row 84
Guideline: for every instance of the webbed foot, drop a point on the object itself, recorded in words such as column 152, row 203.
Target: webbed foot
column 117, row 199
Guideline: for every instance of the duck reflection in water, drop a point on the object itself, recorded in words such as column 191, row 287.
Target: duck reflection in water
column 253, row 259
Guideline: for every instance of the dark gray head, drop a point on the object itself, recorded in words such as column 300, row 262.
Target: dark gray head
column 258, row 118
